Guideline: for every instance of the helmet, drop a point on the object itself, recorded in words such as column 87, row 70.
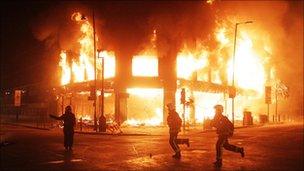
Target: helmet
column 68, row 109
column 170, row 106
column 218, row 106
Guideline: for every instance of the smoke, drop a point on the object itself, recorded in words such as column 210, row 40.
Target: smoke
column 278, row 24
column 181, row 23
column 127, row 26
column 56, row 29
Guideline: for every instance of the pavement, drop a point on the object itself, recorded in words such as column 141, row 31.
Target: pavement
column 272, row 147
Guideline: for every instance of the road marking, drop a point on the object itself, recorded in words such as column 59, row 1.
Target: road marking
column 64, row 161
column 135, row 150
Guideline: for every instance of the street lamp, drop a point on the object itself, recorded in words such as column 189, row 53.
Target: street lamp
column 233, row 61
column 102, row 81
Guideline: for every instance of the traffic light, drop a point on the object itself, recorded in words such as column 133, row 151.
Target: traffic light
column 92, row 93
column 268, row 94
column 183, row 96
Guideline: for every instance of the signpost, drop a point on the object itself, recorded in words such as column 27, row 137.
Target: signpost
column 17, row 102
column 183, row 102
column 17, row 99
column 268, row 98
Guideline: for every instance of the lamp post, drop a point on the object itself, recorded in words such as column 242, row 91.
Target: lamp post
column 233, row 61
column 95, row 82
column 102, row 81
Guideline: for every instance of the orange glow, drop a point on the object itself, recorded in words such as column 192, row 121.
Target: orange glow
column 145, row 65
column 85, row 117
column 66, row 70
column 82, row 69
column 190, row 61
column 249, row 69
column 109, row 59
column 145, row 106
column 146, row 62
column 221, row 37
column 210, row 1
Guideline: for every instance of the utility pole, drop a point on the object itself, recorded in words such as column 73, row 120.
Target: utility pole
column 276, row 103
column 102, row 86
column 95, row 81
column 233, row 65
column 102, row 83
column 183, row 102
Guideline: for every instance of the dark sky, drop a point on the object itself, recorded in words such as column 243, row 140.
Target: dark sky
column 21, row 53
column 26, row 60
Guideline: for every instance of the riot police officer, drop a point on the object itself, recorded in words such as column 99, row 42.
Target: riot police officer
column 174, row 123
column 224, row 129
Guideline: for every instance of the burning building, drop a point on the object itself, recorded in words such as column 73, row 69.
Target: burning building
column 137, row 87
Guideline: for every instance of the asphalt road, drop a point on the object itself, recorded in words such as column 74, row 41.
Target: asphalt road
column 274, row 147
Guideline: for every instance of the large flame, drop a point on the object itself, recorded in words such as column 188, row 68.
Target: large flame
column 145, row 106
column 249, row 69
column 190, row 61
column 145, row 65
column 249, row 74
column 82, row 68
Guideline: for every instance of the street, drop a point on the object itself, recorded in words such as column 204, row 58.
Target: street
column 272, row 147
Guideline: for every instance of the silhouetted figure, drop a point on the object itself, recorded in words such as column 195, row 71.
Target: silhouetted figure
column 224, row 129
column 68, row 127
column 102, row 123
column 174, row 123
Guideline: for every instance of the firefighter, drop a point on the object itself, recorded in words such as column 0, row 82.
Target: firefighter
column 224, row 129
column 174, row 123
column 68, row 127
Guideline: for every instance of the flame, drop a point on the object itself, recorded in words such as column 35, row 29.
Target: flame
column 210, row 2
column 109, row 63
column 66, row 71
column 249, row 69
column 188, row 62
column 82, row 69
column 145, row 65
column 155, row 121
column 85, row 117
column 76, row 16
column 249, row 73
column 221, row 36
column 147, row 102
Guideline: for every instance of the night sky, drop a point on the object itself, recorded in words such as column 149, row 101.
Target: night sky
column 26, row 60
column 22, row 56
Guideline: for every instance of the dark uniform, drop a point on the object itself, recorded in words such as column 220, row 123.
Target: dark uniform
column 174, row 123
column 68, row 127
column 224, row 129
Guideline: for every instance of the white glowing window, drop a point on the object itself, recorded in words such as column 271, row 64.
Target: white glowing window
column 145, row 66
column 109, row 62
